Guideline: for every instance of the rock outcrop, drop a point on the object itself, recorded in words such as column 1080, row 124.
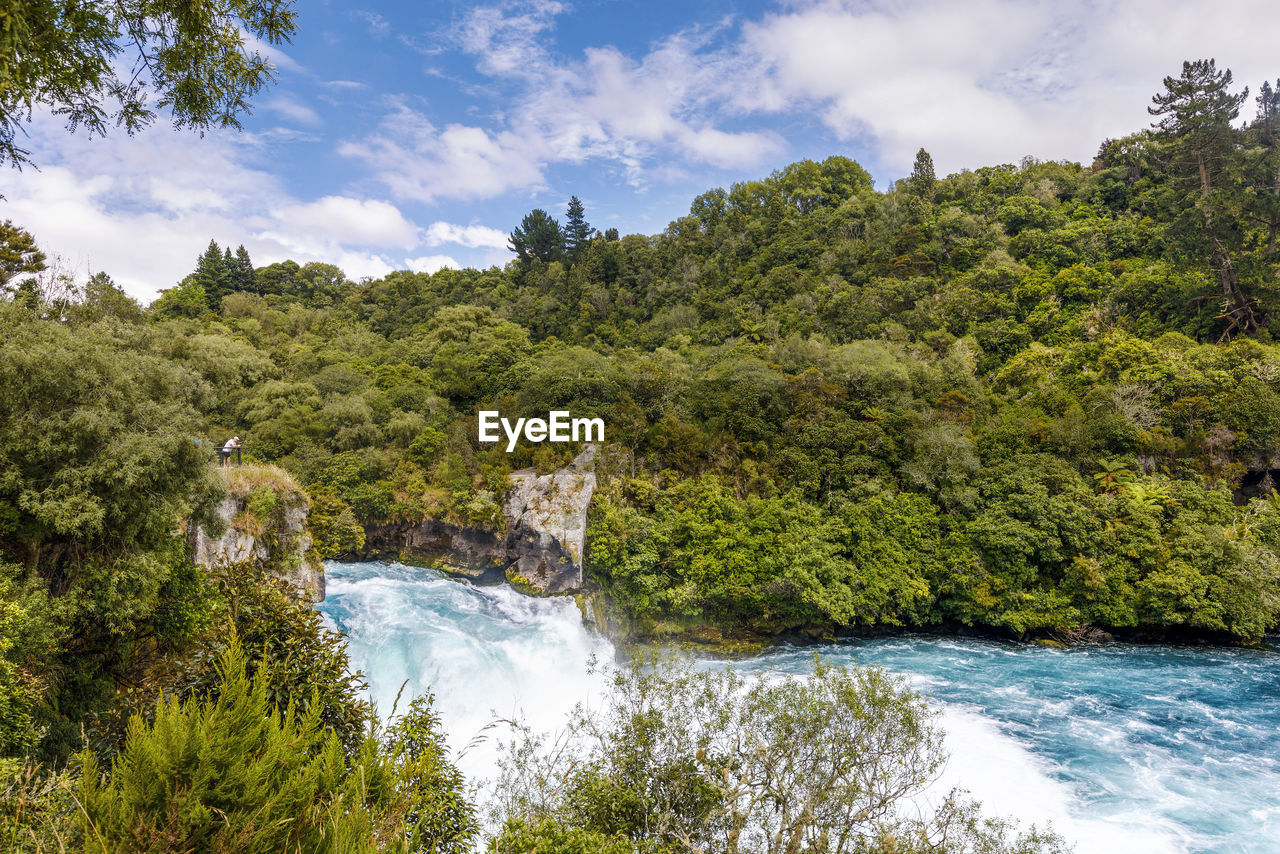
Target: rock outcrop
column 540, row 550
column 274, row 536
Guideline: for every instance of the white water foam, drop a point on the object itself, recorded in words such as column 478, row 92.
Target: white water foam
column 1011, row 781
column 487, row 653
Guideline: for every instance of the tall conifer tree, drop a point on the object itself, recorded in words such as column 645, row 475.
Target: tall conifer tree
column 243, row 277
column 923, row 182
column 1196, row 111
column 213, row 274
column 577, row 231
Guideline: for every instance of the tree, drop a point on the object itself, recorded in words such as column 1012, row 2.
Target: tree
column 538, row 238
column 18, row 254
column 213, row 273
column 102, row 63
column 233, row 774
column 923, row 183
column 279, row 278
column 1264, row 165
column 243, row 277
column 577, row 231
column 97, row 461
column 321, row 283
column 101, row 298
column 676, row 759
column 1196, row 111
column 186, row 299
column 438, row 819
column 1198, row 107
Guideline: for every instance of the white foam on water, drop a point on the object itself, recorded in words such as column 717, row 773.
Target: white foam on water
column 1010, row 781
column 487, row 653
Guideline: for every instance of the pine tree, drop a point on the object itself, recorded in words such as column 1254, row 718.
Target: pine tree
column 213, row 274
column 538, row 237
column 577, row 231
column 1196, row 110
column 243, row 277
column 229, row 265
column 1264, row 166
column 18, row 254
column 923, row 182
column 232, row 774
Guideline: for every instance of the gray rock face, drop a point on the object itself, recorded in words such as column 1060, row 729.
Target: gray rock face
column 239, row 544
column 549, row 516
column 542, row 549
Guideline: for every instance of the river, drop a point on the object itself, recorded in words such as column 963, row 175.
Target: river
column 1123, row 748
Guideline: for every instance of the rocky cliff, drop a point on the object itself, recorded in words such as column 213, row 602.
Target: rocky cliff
column 265, row 514
column 540, row 549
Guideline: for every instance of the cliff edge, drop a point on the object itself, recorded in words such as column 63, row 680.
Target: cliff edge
column 540, row 549
column 265, row 513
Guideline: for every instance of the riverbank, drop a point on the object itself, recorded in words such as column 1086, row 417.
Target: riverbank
column 602, row 613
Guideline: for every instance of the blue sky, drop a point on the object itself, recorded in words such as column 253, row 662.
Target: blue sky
column 415, row 135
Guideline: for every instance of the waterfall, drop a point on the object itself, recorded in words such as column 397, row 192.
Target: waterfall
column 1123, row 748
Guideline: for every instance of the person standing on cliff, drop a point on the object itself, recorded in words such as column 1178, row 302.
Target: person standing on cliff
column 227, row 449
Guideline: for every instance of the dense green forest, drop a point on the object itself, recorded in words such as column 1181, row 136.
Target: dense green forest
column 1019, row 397
column 1035, row 399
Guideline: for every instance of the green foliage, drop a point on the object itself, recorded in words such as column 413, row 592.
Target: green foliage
column 192, row 61
column 29, row 634
column 438, row 818
column 95, row 476
column 249, row 763
column 186, row 299
column 547, row 836
column 262, row 500
column 539, row 238
column 186, row 606
column 674, row 759
column 19, row 254
column 232, row 774
column 285, row 644
column 333, row 525
column 577, row 231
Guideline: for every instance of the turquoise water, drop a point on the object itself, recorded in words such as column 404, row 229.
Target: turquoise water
column 1123, row 748
column 1178, row 743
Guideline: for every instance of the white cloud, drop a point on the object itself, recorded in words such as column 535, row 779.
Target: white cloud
column 604, row 106
column 976, row 83
column 294, row 110
column 991, row 80
column 472, row 236
column 508, row 39
column 143, row 208
column 415, row 160
column 430, row 263
column 340, row 219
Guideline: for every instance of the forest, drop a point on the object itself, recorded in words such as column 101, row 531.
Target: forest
column 1037, row 399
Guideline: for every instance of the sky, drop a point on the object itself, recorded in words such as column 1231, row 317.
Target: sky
column 415, row 135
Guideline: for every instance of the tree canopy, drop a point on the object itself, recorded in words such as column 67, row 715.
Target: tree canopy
column 122, row 63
